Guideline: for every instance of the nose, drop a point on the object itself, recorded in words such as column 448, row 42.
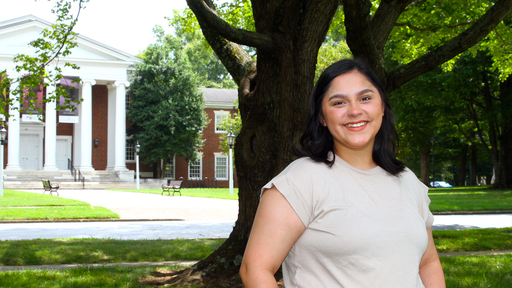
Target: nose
column 354, row 109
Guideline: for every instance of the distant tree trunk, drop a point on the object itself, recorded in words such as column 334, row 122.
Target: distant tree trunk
column 474, row 162
column 425, row 167
column 506, row 131
column 463, row 163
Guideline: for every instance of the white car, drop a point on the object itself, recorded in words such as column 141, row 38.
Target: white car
column 440, row 184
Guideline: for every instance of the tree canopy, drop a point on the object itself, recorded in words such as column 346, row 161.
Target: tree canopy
column 166, row 108
column 41, row 69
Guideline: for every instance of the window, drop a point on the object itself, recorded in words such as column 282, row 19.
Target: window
column 221, row 166
column 169, row 169
column 130, row 150
column 219, row 117
column 195, row 169
column 128, row 99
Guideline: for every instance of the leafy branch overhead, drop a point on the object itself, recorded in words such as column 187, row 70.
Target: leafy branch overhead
column 42, row 68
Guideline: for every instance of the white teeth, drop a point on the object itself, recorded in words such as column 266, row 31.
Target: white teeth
column 356, row 125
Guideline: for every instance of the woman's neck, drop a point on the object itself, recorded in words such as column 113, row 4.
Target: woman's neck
column 360, row 159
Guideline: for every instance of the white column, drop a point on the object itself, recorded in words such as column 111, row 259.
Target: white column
column 13, row 135
column 120, row 132
column 111, row 147
column 50, row 134
column 86, row 126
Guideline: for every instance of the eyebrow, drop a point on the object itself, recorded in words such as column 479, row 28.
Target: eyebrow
column 364, row 91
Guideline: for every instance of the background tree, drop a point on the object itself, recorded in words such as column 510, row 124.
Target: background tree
column 274, row 89
column 41, row 69
column 166, row 109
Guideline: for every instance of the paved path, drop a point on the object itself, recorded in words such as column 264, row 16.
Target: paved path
column 154, row 206
column 200, row 218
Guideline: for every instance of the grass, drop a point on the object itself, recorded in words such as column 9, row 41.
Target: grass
column 469, row 199
column 105, row 277
column 489, row 271
column 460, row 272
column 218, row 193
column 69, row 251
column 473, row 240
column 72, row 251
column 18, row 205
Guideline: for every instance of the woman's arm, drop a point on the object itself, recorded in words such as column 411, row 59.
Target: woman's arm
column 275, row 229
column 431, row 271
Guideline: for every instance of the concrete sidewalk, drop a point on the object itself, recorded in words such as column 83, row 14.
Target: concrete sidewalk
column 145, row 206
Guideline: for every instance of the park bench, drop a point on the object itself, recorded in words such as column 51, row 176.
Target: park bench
column 50, row 187
column 174, row 185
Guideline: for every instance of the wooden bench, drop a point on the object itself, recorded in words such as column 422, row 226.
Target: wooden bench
column 174, row 185
column 50, row 187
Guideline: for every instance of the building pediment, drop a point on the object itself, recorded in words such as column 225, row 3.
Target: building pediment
column 16, row 34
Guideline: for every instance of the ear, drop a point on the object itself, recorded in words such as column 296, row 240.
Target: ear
column 383, row 110
column 322, row 120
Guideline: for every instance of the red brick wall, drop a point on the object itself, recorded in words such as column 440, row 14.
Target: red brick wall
column 99, row 126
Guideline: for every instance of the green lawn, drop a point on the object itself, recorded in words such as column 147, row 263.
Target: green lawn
column 18, row 205
column 72, row 251
column 218, row 193
column 469, row 199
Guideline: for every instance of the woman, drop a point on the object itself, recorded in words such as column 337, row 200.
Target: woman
column 348, row 213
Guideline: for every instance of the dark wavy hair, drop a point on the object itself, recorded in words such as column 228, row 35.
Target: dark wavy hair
column 317, row 141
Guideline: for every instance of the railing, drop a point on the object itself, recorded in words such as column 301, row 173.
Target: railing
column 77, row 174
column 198, row 183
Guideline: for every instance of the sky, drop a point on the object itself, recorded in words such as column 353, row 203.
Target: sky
column 122, row 24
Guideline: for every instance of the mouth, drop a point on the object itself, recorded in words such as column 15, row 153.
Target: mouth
column 355, row 125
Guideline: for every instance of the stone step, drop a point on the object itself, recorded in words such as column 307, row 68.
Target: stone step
column 78, row 185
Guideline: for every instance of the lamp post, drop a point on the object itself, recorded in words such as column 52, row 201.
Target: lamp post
column 137, row 150
column 3, row 135
column 231, row 141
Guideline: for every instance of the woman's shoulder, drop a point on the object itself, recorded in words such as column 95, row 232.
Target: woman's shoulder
column 305, row 164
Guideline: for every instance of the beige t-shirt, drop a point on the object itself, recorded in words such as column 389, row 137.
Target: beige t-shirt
column 364, row 228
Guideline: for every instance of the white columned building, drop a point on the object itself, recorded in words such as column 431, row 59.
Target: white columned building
column 120, row 126
column 50, row 135
column 94, row 137
column 13, row 136
column 86, row 126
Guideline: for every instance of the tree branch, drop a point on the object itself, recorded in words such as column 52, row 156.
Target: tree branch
column 205, row 13
column 451, row 48
column 360, row 37
column 433, row 29
column 384, row 20
column 236, row 60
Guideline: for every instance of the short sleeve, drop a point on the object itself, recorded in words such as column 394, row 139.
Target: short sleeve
column 426, row 214
column 295, row 185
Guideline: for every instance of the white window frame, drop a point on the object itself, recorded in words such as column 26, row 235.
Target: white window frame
column 127, row 101
column 220, row 155
column 219, row 115
column 200, row 159
column 172, row 168
column 129, row 149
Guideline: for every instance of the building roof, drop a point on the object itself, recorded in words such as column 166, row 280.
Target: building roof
column 31, row 22
column 219, row 98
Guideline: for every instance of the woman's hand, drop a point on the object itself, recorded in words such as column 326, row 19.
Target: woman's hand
column 275, row 230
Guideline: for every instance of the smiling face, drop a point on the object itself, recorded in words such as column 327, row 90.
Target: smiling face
column 352, row 110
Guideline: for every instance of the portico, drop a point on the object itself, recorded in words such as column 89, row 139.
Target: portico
column 94, row 137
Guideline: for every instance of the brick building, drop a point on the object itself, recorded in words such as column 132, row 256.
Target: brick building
column 94, row 137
